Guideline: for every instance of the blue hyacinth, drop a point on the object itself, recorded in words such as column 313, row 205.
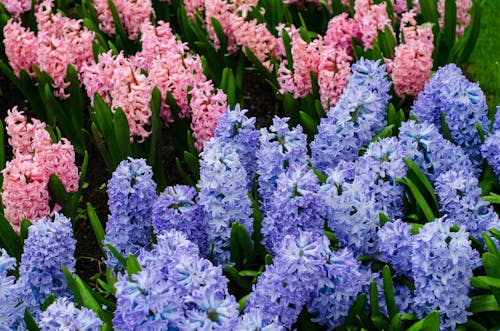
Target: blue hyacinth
column 434, row 155
column 131, row 192
column 49, row 246
column 280, row 147
column 235, row 128
column 11, row 305
column 462, row 103
column 223, row 196
column 355, row 119
column 295, row 206
column 176, row 209
column 491, row 150
column 460, row 198
column 63, row 315
column 442, row 264
column 395, row 246
column 253, row 320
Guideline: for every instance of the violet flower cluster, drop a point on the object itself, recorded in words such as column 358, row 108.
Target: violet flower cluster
column 63, row 315
column 490, row 149
column 11, row 294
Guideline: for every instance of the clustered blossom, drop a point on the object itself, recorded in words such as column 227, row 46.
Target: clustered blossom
column 460, row 198
column 25, row 187
column 490, row 149
column 449, row 94
column 442, row 264
column 176, row 209
column 223, row 196
column 11, row 306
column 279, row 148
column 20, row 47
column 62, row 314
column 121, row 85
column 334, row 70
column 340, row 32
column 175, row 289
column 355, row 119
column 16, row 7
column 371, row 18
column 253, row 320
column 463, row 15
column 395, row 246
column 412, row 64
column 131, row 192
column 49, row 246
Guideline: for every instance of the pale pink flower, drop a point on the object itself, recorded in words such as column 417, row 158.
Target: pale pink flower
column 463, row 15
column 25, row 187
column 16, row 7
column 20, row 47
column 222, row 11
column 333, row 74
column 371, row 18
column 412, row 64
column 340, row 32
column 132, row 14
column 106, row 23
column 192, row 6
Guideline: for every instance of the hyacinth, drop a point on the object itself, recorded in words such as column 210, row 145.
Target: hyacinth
column 371, row 18
column 306, row 58
column 222, row 11
column 339, row 285
column 402, row 294
column 433, row 154
column 132, row 14
column 395, row 246
column 334, row 71
column 63, row 315
column 20, row 47
column 355, row 119
column 442, row 264
column 295, row 206
column 340, row 32
column 412, row 64
column 49, row 246
column 131, row 192
column 121, row 85
column 25, row 187
column 463, row 15
column 285, row 287
column 11, row 306
column 16, row 7
column 490, row 150
column 253, row 320
column 235, row 128
column 279, row 148
column 176, row 209
column 450, row 94
column 223, row 196
column 380, row 166
column 104, row 16
column 460, row 198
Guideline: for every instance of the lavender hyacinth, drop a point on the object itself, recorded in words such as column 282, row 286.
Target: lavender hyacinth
column 252, row 320
column 395, row 246
column 223, row 196
column 235, row 128
column 460, row 198
column 176, row 209
column 442, row 264
column 11, row 306
column 462, row 102
column 295, row 206
column 491, row 151
column 280, row 147
column 355, row 119
column 131, row 192
column 63, row 315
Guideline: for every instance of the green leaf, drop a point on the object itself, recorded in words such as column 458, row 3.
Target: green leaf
column 51, row 298
column 270, row 77
column 309, row 125
column 59, row 194
column 96, row 226
column 450, row 23
column 122, row 133
column 87, row 298
column 493, row 198
column 471, row 34
column 221, row 36
column 395, row 324
column 228, row 85
column 187, row 179
column 383, row 218
column 30, row 321
column 241, row 246
column 446, row 129
column 287, row 42
column 24, row 232
column 117, row 254
column 495, row 233
column 392, row 309
column 250, row 273
column 482, row 303
column 72, row 285
column 431, row 322
column 268, row 260
column 9, row 239
column 243, row 302
column 428, row 8
column 386, row 132
column 424, row 183
column 132, row 266
column 484, row 281
column 193, row 163
column 429, row 215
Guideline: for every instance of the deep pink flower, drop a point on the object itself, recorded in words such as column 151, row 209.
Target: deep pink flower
column 340, row 32
column 20, row 47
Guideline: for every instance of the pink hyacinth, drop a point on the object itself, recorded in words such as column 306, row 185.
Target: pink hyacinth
column 104, row 16
column 306, row 58
column 333, row 75
column 16, row 7
column 340, row 32
column 25, row 187
column 207, row 104
column 21, row 47
column 412, row 64
column 463, row 15
column 192, row 6
column 222, row 11
column 371, row 18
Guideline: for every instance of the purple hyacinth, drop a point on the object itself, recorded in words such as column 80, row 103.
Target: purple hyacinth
column 395, row 246
column 442, row 264
column 295, row 206
column 131, row 192
column 434, row 155
column 280, row 147
column 462, row 102
column 176, row 209
column 235, row 128
column 49, row 246
column 253, row 320
column 491, row 150
column 11, row 305
column 355, row 119
column 339, row 285
column 63, row 315
column 285, row 287
column 223, row 196
column 460, row 198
